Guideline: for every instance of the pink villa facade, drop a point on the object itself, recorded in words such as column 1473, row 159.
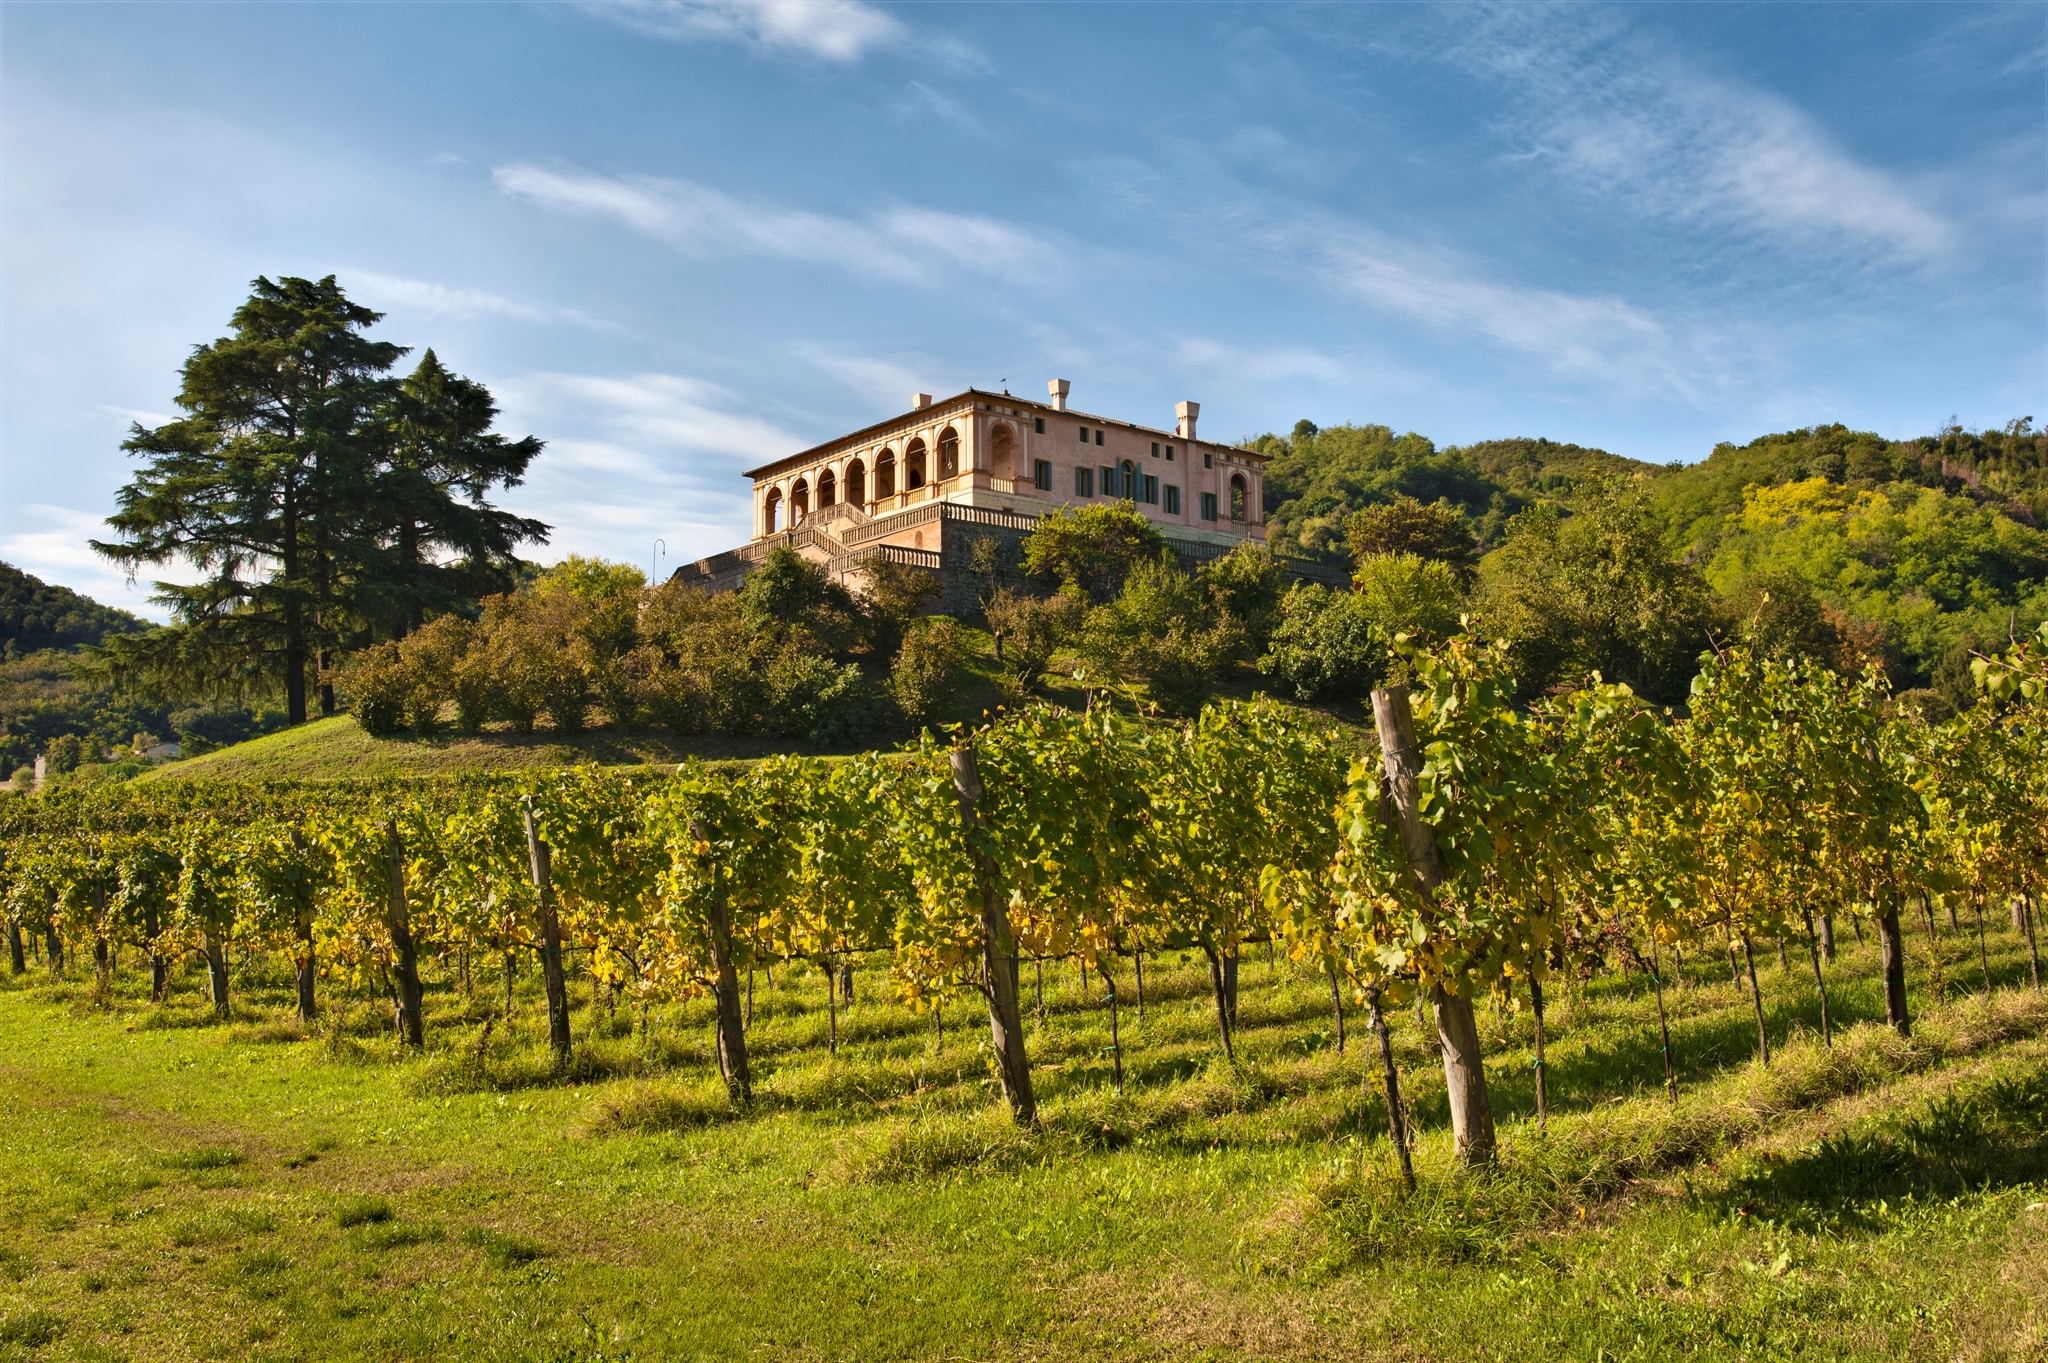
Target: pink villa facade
column 914, row 486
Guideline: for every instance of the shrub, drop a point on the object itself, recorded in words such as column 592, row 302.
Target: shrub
column 1327, row 646
column 926, row 668
column 1029, row 630
column 377, row 685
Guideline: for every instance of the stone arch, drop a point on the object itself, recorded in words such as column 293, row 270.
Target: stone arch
column 856, row 483
column 1002, row 451
column 914, row 465
column 885, row 475
column 771, row 511
column 828, row 489
column 949, row 454
column 1240, row 498
column 799, row 503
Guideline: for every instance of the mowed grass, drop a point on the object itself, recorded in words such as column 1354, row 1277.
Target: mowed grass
column 173, row 1188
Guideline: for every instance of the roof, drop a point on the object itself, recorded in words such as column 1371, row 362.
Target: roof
column 974, row 395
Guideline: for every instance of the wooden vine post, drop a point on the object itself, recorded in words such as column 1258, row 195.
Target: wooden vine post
column 405, row 967
column 550, row 941
column 1457, row 1028
column 998, row 947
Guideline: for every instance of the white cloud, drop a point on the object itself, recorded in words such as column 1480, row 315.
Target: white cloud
column 441, row 300
column 889, row 382
column 136, row 415
column 1581, row 337
column 1263, row 366
column 899, row 243
column 638, row 457
column 1625, row 118
column 57, row 552
column 832, row 30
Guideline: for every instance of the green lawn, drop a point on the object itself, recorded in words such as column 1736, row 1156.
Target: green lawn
column 174, row 1188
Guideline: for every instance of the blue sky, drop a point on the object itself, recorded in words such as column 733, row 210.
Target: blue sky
column 679, row 239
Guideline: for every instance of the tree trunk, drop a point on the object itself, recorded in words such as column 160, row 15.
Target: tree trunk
column 16, row 955
column 1891, row 945
column 732, row 1030
column 1827, row 938
column 1457, row 1028
column 217, row 973
column 1222, row 1001
column 1336, row 1001
column 1827, row 1027
column 54, row 941
column 405, row 966
column 832, row 1006
column 998, row 949
column 1983, row 954
column 1138, row 965
column 1230, row 960
column 159, row 969
column 306, row 968
column 1390, row 1078
column 2027, row 919
column 1116, row 1045
column 1756, row 999
column 846, row 981
column 537, row 853
column 1664, row 1026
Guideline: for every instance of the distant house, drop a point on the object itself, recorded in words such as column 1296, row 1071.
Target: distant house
column 919, row 488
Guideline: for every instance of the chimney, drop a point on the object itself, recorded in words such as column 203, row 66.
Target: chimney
column 920, row 401
column 1185, row 414
column 1059, row 389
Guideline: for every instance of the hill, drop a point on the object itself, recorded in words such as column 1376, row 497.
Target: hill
column 1319, row 476
column 36, row 615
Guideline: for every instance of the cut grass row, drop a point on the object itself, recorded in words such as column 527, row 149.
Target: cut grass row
column 200, row 1191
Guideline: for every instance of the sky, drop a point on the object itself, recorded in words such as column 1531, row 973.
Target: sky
column 677, row 240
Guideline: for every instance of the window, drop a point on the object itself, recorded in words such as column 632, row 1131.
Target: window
column 1041, row 474
column 1151, row 490
column 1038, row 424
column 1169, row 454
column 1084, row 482
column 1108, row 480
column 1239, row 499
column 1084, row 435
column 1098, row 437
column 1155, row 449
column 1208, row 506
column 1127, row 482
column 1208, row 460
column 1172, row 500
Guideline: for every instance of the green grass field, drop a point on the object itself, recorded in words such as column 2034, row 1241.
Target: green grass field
column 174, row 1188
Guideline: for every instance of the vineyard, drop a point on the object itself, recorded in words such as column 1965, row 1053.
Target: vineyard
column 1433, row 961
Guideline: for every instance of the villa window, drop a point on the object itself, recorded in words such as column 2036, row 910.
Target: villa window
column 1150, row 490
column 1109, row 480
column 1084, row 435
column 1208, row 460
column 1038, row 425
column 1084, row 482
column 1238, row 497
column 1098, row 437
column 1172, row 500
column 1041, row 474
column 1208, row 506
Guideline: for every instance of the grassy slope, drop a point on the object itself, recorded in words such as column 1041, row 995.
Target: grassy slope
column 189, row 1191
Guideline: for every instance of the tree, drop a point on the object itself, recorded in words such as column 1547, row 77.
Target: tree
column 1409, row 594
column 1328, row 645
column 1163, row 632
column 312, row 492
column 1093, row 548
column 440, row 543
column 1405, row 526
column 1596, row 591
